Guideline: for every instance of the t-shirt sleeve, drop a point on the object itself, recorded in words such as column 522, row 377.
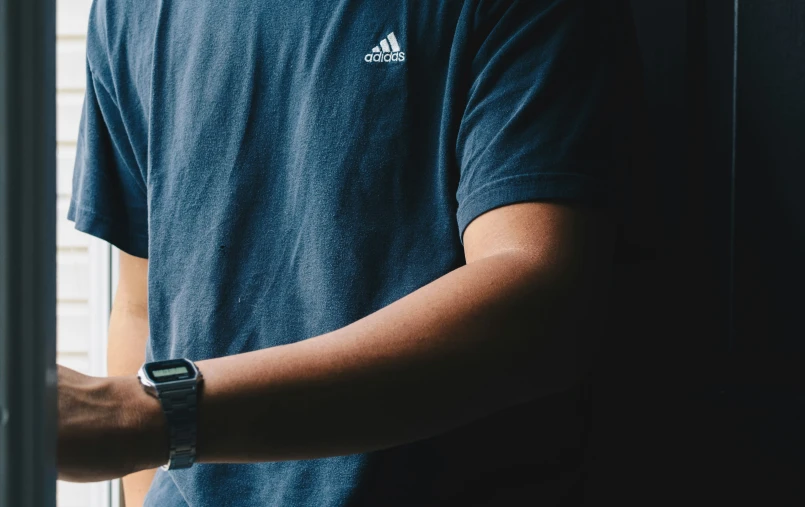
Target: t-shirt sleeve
column 539, row 118
column 109, row 198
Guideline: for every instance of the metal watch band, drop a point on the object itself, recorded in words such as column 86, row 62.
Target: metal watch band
column 179, row 406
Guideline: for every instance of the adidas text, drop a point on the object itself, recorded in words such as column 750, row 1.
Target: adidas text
column 399, row 56
column 388, row 51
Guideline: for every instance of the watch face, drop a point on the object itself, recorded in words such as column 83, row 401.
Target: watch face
column 169, row 371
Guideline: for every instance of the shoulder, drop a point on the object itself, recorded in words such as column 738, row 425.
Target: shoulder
column 488, row 13
column 118, row 31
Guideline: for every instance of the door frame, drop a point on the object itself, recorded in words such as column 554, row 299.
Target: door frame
column 28, row 252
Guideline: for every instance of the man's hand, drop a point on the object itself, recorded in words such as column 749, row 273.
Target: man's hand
column 108, row 427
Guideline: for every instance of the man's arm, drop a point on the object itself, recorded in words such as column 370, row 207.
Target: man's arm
column 128, row 332
column 508, row 327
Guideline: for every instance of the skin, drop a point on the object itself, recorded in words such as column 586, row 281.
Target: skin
column 513, row 324
column 128, row 333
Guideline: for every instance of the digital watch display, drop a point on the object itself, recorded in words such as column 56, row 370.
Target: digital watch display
column 169, row 371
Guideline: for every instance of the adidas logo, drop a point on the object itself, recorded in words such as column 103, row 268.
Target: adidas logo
column 387, row 51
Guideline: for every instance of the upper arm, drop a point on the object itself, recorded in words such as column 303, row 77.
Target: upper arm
column 547, row 236
column 565, row 254
column 128, row 323
column 546, row 119
column 132, row 288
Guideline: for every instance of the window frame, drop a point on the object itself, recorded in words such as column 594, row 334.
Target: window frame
column 102, row 273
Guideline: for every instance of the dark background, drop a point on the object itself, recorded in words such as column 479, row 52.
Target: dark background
column 698, row 396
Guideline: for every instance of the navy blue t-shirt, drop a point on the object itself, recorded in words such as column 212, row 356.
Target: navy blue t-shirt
column 289, row 167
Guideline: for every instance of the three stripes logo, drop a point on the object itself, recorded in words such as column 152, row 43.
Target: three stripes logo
column 387, row 51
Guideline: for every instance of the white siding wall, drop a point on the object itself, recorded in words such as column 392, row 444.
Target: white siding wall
column 82, row 262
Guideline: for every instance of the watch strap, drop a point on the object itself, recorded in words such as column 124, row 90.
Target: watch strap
column 180, row 408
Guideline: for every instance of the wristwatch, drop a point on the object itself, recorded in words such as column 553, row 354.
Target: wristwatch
column 175, row 383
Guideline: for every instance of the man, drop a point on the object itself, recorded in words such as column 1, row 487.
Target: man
column 381, row 231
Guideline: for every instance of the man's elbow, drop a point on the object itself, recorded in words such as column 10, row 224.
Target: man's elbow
column 554, row 347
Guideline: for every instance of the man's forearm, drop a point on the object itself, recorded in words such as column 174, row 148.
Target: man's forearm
column 483, row 337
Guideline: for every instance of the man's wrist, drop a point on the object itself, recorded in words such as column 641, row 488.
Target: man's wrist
column 142, row 418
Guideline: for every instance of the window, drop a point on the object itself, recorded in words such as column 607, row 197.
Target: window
column 84, row 272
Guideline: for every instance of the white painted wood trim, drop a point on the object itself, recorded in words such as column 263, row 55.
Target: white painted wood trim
column 100, row 305
column 115, row 491
column 115, row 270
